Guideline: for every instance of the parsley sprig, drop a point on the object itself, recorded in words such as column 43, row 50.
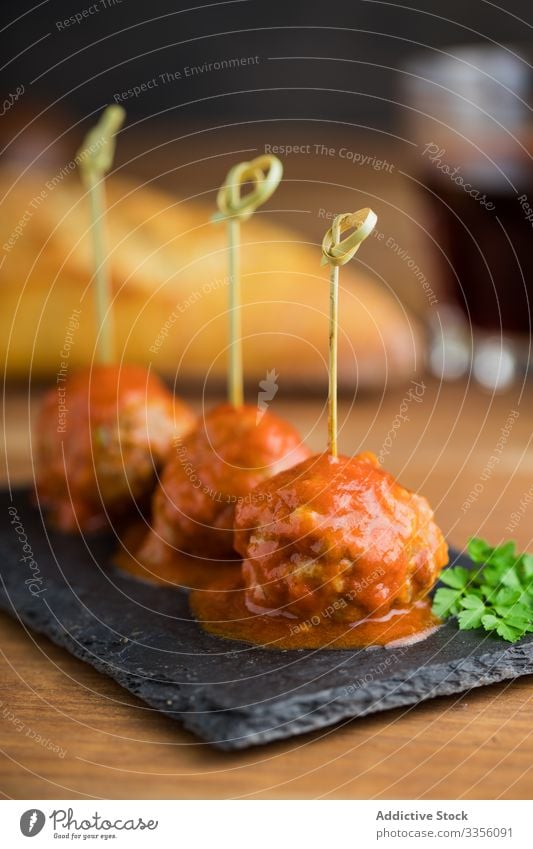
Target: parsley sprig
column 496, row 596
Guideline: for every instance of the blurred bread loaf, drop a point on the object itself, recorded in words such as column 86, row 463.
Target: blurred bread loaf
column 168, row 264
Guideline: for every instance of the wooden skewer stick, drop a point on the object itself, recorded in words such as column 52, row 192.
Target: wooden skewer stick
column 235, row 367
column 95, row 159
column 337, row 253
column 264, row 173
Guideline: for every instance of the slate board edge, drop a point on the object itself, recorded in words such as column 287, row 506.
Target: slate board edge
column 507, row 663
column 395, row 693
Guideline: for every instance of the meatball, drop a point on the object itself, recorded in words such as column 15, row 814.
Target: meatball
column 211, row 471
column 100, row 437
column 337, row 538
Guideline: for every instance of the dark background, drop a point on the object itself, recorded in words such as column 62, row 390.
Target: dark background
column 132, row 41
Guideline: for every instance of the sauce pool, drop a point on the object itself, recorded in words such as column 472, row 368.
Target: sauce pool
column 217, row 600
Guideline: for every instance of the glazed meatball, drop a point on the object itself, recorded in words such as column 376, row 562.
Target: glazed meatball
column 100, row 437
column 209, row 473
column 337, row 537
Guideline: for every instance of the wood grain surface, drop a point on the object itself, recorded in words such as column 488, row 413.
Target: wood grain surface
column 68, row 732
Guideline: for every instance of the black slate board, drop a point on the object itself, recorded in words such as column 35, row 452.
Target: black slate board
column 230, row 694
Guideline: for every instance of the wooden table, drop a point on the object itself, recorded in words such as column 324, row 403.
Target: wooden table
column 473, row 746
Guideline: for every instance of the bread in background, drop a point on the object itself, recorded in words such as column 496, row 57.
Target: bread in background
column 169, row 274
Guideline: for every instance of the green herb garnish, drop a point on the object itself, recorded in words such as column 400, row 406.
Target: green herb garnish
column 496, row 596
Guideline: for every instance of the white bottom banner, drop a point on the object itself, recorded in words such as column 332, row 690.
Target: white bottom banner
column 266, row 824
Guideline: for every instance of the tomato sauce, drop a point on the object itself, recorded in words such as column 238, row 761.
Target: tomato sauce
column 218, row 602
column 223, row 611
column 180, row 570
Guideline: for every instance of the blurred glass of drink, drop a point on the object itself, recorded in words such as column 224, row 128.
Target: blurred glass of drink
column 468, row 112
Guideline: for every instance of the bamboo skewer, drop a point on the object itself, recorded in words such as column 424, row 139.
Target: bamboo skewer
column 264, row 173
column 95, row 159
column 336, row 253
